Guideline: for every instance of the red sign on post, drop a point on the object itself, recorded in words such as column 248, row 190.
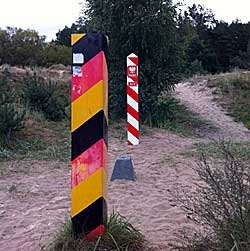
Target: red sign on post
column 132, row 71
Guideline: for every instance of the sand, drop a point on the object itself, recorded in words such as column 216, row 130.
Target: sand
column 35, row 195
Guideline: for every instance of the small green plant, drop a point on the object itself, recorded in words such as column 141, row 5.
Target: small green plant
column 11, row 117
column 195, row 68
column 120, row 235
column 222, row 201
column 42, row 96
column 11, row 120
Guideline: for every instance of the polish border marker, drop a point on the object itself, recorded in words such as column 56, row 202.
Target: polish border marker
column 132, row 100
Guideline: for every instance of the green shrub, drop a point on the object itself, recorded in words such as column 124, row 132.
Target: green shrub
column 222, row 201
column 42, row 96
column 11, row 117
column 11, row 120
column 195, row 67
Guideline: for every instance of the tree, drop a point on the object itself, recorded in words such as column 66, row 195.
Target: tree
column 56, row 54
column 146, row 28
column 63, row 37
column 26, row 46
column 4, row 46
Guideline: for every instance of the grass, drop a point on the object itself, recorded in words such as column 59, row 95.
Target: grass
column 235, row 91
column 240, row 149
column 120, row 235
column 41, row 140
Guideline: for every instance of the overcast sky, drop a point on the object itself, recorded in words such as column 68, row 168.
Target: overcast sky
column 48, row 16
column 45, row 16
column 226, row 10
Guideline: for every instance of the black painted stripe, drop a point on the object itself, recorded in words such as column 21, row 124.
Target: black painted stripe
column 90, row 45
column 91, row 217
column 89, row 133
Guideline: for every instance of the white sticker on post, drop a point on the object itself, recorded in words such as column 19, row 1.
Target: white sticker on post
column 78, row 58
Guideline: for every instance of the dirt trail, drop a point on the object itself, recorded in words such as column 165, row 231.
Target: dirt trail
column 200, row 99
column 35, row 196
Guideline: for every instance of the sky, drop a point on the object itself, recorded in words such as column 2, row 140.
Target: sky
column 48, row 16
column 45, row 16
column 226, row 10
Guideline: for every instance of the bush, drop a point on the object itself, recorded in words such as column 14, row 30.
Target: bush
column 195, row 67
column 42, row 96
column 120, row 235
column 11, row 117
column 222, row 201
column 11, row 120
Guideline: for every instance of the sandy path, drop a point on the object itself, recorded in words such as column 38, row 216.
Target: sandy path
column 200, row 99
column 160, row 170
column 35, row 196
column 32, row 201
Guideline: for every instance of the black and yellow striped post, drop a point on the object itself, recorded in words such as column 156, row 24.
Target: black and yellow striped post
column 89, row 133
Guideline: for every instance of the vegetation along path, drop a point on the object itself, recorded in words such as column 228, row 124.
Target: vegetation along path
column 199, row 98
column 35, row 195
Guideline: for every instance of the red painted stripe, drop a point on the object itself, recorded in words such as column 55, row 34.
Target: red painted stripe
column 135, row 79
column 133, row 131
column 129, row 143
column 133, row 112
column 134, row 60
column 91, row 73
column 88, row 163
column 93, row 235
column 132, row 94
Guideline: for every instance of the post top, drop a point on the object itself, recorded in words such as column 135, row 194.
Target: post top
column 132, row 55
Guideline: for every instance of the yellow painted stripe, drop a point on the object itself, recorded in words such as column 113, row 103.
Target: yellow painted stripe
column 86, row 106
column 76, row 37
column 88, row 191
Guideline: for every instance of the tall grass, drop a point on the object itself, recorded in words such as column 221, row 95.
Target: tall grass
column 235, row 91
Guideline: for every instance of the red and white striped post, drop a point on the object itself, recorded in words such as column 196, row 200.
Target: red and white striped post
column 132, row 99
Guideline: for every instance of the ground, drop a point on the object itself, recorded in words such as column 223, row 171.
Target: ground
column 35, row 195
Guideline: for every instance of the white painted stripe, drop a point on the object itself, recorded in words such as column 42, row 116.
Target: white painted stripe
column 130, row 63
column 133, row 139
column 134, row 122
column 132, row 103
column 134, row 88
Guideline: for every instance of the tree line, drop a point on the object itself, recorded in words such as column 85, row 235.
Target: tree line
column 28, row 48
